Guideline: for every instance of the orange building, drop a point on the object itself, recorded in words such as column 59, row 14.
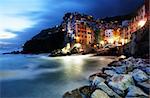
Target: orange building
column 83, row 33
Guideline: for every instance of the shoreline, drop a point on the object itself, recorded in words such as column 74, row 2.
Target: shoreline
column 119, row 79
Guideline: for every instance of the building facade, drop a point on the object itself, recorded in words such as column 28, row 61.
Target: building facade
column 79, row 29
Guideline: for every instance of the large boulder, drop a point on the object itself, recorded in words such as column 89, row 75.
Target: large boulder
column 107, row 90
column 110, row 72
column 145, row 68
column 68, row 95
column 99, row 94
column 134, row 91
column 97, row 80
column 114, row 63
column 99, row 74
column 120, row 83
column 121, row 70
column 139, row 75
column 73, row 94
column 86, row 91
column 145, row 86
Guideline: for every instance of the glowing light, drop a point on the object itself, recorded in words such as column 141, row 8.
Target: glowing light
column 77, row 45
column 111, row 40
column 68, row 46
column 77, row 39
column 141, row 23
column 122, row 41
column 102, row 42
column 73, row 64
column 122, row 56
column 126, row 40
column 65, row 50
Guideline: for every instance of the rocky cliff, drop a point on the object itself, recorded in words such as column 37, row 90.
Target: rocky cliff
column 139, row 45
column 46, row 41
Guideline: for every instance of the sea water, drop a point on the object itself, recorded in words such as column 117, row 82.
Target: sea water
column 40, row 76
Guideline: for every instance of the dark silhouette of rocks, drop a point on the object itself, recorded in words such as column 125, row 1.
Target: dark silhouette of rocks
column 46, row 41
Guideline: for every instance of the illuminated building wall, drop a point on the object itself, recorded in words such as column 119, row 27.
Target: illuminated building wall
column 109, row 34
column 78, row 29
column 83, row 33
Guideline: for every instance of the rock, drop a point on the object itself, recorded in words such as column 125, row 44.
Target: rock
column 121, row 70
column 119, row 83
column 103, row 75
column 110, row 72
column 139, row 75
column 68, row 95
column 74, row 94
column 146, row 69
column 139, row 61
column 134, row 91
column 107, row 90
column 145, row 86
column 126, row 62
column 86, row 91
column 99, row 94
column 131, row 59
column 136, row 97
column 114, row 63
column 99, row 74
column 97, row 80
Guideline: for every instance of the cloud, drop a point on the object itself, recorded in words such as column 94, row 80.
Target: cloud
column 21, row 19
column 7, row 35
column 14, row 16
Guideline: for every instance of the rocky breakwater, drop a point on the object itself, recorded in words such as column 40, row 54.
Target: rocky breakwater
column 127, row 78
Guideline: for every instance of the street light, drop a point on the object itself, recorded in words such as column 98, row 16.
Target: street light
column 141, row 23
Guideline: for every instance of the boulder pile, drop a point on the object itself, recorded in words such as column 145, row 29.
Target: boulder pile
column 126, row 78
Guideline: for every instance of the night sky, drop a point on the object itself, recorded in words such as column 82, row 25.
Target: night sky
column 20, row 20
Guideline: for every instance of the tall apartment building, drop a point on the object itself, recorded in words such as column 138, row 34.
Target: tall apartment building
column 79, row 29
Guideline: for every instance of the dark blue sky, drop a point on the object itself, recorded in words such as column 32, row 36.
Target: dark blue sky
column 22, row 19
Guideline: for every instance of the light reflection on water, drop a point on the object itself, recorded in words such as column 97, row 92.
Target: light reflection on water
column 73, row 65
column 36, row 76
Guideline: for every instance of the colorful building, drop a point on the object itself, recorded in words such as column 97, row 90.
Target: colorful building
column 79, row 29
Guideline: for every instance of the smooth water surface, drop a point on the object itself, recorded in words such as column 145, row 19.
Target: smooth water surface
column 38, row 76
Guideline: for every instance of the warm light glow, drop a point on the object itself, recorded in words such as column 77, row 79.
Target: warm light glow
column 141, row 23
column 122, row 41
column 77, row 39
column 102, row 43
column 122, row 56
column 126, row 40
column 77, row 45
column 73, row 64
column 65, row 50
column 68, row 46
column 111, row 40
